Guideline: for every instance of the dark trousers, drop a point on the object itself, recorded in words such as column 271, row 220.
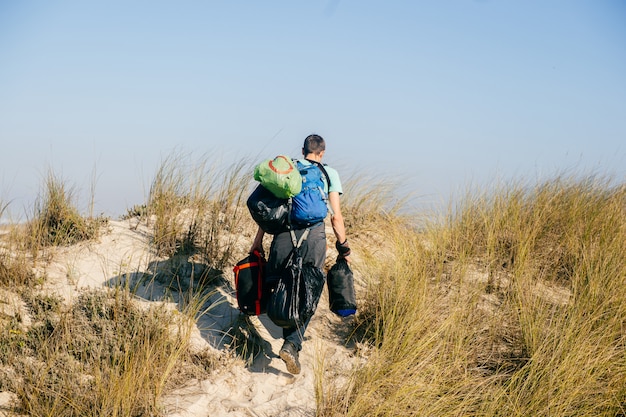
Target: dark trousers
column 313, row 252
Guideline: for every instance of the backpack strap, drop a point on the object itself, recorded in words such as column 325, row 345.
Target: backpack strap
column 321, row 167
column 297, row 243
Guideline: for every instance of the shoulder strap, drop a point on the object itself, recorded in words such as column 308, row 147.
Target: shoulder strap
column 321, row 167
column 297, row 243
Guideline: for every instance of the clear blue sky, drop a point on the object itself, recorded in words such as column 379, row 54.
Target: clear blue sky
column 439, row 93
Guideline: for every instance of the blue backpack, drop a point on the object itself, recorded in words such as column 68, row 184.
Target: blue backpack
column 310, row 206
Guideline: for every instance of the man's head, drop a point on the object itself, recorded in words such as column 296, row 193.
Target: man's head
column 315, row 145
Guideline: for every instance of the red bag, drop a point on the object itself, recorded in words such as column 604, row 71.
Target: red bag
column 249, row 280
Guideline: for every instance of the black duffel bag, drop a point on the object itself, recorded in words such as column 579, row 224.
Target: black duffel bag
column 271, row 213
column 295, row 297
column 341, row 293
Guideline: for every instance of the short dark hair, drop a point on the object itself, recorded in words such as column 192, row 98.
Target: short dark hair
column 314, row 144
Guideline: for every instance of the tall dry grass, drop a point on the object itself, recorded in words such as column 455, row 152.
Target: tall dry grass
column 197, row 207
column 55, row 221
column 15, row 264
column 514, row 305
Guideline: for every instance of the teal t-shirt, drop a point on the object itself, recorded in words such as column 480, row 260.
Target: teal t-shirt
column 335, row 182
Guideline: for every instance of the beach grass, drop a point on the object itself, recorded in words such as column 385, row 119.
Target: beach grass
column 512, row 302
column 197, row 207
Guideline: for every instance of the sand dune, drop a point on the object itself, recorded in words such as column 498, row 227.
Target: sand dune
column 261, row 388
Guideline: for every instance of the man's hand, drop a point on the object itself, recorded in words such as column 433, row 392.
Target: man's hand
column 343, row 248
column 258, row 242
column 257, row 249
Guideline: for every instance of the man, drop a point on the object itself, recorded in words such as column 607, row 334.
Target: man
column 313, row 248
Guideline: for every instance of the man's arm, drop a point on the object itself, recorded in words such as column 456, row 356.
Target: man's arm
column 336, row 219
column 258, row 242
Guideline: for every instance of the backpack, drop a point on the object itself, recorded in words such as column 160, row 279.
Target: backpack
column 310, row 205
column 249, row 288
column 280, row 176
column 277, row 214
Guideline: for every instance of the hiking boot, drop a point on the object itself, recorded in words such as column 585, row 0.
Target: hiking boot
column 289, row 354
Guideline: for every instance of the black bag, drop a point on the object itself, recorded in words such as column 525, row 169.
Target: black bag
column 249, row 288
column 341, row 294
column 313, row 279
column 271, row 213
column 283, row 306
column 298, row 291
